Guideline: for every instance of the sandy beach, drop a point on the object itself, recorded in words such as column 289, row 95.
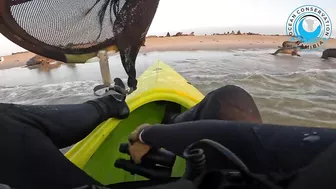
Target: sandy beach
column 186, row 43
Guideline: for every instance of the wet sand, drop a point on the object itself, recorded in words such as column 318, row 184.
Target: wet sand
column 17, row 60
column 187, row 43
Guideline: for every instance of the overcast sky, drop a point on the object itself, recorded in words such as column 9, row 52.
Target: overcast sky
column 176, row 15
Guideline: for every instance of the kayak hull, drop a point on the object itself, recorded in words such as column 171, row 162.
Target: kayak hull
column 158, row 85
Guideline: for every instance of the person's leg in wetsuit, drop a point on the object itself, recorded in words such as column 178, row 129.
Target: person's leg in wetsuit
column 31, row 136
column 226, row 103
column 265, row 148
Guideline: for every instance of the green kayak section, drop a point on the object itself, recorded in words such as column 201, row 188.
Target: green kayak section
column 157, row 86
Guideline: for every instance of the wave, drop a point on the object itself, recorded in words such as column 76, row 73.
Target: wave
column 37, row 94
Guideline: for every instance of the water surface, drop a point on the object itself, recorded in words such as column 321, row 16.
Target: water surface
column 287, row 90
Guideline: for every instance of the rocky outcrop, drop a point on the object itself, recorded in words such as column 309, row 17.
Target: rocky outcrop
column 228, row 33
column 238, row 32
column 178, row 34
column 38, row 60
column 15, row 53
column 152, row 36
column 250, row 33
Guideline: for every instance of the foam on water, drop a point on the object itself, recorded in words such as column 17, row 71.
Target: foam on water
column 288, row 90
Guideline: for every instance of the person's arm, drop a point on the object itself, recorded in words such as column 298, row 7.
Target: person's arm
column 66, row 124
column 233, row 135
column 263, row 147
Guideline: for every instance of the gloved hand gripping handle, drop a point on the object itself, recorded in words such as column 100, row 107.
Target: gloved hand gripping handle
column 156, row 164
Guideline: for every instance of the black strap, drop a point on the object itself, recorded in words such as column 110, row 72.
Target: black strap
column 118, row 90
column 171, row 111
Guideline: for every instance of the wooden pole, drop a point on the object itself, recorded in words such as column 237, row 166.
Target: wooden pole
column 104, row 67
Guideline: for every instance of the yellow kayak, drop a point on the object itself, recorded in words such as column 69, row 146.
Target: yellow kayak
column 157, row 86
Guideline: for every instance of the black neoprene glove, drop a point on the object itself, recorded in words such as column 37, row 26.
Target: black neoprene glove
column 110, row 107
column 152, row 163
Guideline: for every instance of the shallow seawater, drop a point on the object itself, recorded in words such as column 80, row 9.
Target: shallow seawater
column 287, row 90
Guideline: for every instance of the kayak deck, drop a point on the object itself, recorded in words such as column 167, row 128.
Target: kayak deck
column 157, row 86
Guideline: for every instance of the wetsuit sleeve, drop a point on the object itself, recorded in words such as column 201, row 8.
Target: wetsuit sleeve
column 262, row 147
column 66, row 124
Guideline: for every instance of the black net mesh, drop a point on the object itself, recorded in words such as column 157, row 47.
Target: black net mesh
column 68, row 23
column 59, row 28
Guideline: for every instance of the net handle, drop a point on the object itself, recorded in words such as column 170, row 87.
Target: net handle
column 104, row 67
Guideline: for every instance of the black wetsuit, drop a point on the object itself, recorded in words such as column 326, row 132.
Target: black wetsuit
column 264, row 148
column 31, row 137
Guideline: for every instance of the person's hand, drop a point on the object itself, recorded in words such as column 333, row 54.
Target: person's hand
column 137, row 148
column 134, row 136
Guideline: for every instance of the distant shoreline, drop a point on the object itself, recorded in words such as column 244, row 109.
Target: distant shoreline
column 186, row 43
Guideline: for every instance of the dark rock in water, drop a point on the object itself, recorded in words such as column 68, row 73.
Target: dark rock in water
column 38, row 60
column 31, row 62
column 329, row 53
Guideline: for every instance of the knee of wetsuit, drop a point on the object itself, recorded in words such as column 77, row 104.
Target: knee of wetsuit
column 109, row 107
column 236, row 104
column 226, row 103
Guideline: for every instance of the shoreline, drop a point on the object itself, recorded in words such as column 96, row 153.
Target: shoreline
column 186, row 43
